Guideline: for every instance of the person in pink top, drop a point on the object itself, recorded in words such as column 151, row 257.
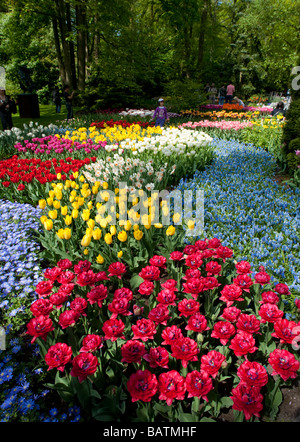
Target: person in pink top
column 229, row 93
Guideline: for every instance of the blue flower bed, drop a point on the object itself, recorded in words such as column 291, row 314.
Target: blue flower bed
column 251, row 213
column 19, row 259
column 22, row 395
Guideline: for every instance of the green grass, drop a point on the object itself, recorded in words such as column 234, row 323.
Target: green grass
column 47, row 116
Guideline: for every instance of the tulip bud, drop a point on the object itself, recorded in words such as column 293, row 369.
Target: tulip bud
column 100, row 259
column 48, row 224
column 108, row 238
column 86, row 240
column 42, row 204
column 67, row 233
column 64, row 210
column 122, row 236
column 68, row 220
column 97, row 233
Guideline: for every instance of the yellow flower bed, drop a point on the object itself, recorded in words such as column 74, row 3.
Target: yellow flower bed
column 94, row 221
column 111, row 135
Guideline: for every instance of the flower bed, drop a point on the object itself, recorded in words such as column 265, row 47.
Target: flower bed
column 223, row 124
column 250, row 212
column 24, row 179
column 122, row 123
column 198, row 335
column 115, row 292
column 19, row 259
column 53, row 145
column 110, row 134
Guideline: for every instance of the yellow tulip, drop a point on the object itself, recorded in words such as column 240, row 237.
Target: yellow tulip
column 51, row 194
column 103, row 223
column 75, row 174
column 105, row 185
column 42, row 204
column 58, row 176
column 85, row 215
column 127, row 225
column 138, row 234
column 43, row 219
column 91, row 223
column 122, row 236
column 176, row 217
column 75, row 213
column 120, row 254
column 113, row 230
column 85, row 252
column 101, row 209
column 97, row 233
column 100, row 259
column 170, row 231
column 68, row 220
column 105, row 196
column 60, row 233
column 58, row 195
column 191, row 224
column 86, row 240
column 108, row 238
column 67, row 233
column 165, row 210
column 56, row 204
column 52, row 214
column 48, row 224
column 64, row 210
column 50, row 201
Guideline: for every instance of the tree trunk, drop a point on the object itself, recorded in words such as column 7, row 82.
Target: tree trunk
column 81, row 45
column 201, row 39
column 71, row 45
column 61, row 18
column 61, row 65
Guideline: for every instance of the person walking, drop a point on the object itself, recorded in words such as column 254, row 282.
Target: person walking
column 212, row 92
column 57, row 99
column 6, row 107
column 230, row 90
column 69, row 101
column 160, row 114
column 222, row 95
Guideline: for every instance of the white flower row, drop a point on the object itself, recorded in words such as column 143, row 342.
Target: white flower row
column 172, row 140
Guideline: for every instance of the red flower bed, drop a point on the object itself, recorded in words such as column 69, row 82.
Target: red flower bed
column 22, row 175
column 181, row 334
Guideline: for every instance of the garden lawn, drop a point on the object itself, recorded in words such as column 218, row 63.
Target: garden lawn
column 47, row 116
column 249, row 212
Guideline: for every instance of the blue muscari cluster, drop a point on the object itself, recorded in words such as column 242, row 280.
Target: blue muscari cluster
column 250, row 212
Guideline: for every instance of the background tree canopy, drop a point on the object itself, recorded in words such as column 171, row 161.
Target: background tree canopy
column 123, row 52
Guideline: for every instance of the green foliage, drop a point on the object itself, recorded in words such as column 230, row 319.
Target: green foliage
column 133, row 49
column 183, row 94
column 292, row 127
